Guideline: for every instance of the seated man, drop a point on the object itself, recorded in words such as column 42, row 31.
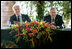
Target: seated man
column 18, row 17
column 54, row 18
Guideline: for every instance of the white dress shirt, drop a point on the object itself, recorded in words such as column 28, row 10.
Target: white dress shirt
column 52, row 18
column 20, row 17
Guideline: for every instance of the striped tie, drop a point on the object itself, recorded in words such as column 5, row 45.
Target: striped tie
column 53, row 20
column 18, row 19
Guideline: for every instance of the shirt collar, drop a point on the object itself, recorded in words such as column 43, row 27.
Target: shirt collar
column 52, row 17
column 17, row 15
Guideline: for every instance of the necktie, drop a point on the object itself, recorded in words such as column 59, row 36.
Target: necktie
column 18, row 19
column 53, row 20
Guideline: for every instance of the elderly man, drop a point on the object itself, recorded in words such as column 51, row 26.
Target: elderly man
column 54, row 18
column 18, row 17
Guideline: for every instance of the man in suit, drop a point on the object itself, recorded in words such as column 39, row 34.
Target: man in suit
column 18, row 17
column 54, row 18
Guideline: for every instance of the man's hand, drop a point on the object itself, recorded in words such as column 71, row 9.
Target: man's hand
column 16, row 22
column 57, row 26
column 53, row 23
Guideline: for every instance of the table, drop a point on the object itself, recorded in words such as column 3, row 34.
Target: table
column 62, row 39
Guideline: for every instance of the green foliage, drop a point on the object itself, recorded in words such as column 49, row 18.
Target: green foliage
column 40, row 11
column 38, row 35
column 67, row 10
column 63, row 8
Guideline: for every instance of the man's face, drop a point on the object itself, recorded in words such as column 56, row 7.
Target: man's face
column 53, row 13
column 17, row 10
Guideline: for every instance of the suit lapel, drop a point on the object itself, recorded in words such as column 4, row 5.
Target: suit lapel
column 23, row 17
column 49, row 17
column 56, row 19
column 15, row 18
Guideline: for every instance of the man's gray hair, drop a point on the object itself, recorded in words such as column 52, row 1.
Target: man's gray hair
column 53, row 8
column 16, row 5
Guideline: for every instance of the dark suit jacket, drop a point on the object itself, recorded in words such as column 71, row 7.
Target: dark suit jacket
column 14, row 18
column 58, row 20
